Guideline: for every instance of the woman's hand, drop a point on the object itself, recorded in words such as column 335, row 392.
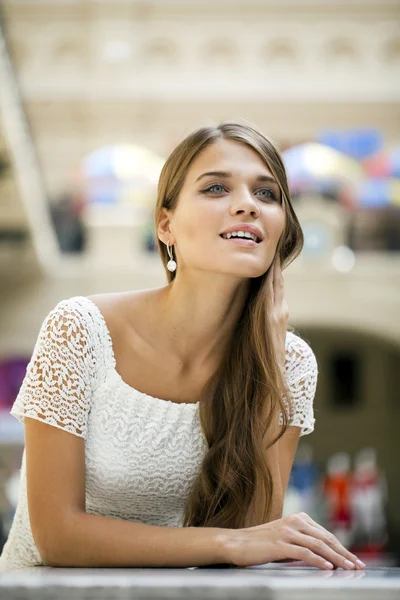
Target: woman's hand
column 295, row 537
column 280, row 313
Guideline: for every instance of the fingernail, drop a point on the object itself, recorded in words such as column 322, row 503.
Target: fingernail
column 349, row 564
column 328, row 565
column 360, row 563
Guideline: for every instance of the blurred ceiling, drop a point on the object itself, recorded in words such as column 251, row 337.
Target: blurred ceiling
column 93, row 72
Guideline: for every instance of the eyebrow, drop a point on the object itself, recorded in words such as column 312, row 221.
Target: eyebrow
column 225, row 174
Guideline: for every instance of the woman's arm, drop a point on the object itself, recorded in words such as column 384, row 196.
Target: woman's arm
column 67, row 536
column 53, row 404
column 287, row 446
column 95, row 541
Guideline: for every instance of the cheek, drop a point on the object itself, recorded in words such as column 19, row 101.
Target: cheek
column 197, row 226
column 188, row 230
column 189, row 236
column 275, row 222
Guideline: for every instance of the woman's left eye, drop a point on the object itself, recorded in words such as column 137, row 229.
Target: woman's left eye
column 212, row 188
column 269, row 194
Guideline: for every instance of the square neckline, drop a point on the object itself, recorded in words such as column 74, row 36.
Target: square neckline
column 194, row 405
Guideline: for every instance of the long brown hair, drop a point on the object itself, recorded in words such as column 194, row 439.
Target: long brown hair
column 240, row 403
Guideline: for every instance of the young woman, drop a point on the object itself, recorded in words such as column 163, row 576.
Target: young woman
column 161, row 424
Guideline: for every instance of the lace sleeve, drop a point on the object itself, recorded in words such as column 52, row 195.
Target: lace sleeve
column 57, row 385
column 301, row 372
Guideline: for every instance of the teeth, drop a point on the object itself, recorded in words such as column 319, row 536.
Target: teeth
column 245, row 234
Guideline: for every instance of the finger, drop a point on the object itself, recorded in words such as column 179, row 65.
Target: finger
column 332, row 541
column 318, row 546
column 301, row 553
column 279, row 284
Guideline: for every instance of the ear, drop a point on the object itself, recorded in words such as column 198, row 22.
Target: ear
column 164, row 227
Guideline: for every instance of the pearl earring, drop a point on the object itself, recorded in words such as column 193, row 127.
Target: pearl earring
column 171, row 266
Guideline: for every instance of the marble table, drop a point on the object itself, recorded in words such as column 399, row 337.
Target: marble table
column 267, row 582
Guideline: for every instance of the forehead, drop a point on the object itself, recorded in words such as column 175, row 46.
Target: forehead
column 228, row 155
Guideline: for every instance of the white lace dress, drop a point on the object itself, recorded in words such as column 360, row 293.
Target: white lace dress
column 141, row 453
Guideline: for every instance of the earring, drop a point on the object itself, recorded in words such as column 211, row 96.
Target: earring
column 171, row 266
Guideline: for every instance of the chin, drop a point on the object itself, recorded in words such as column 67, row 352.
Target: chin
column 249, row 273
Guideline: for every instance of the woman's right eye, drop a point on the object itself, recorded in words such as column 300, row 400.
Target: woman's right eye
column 212, row 189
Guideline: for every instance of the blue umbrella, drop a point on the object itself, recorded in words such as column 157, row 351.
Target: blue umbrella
column 314, row 167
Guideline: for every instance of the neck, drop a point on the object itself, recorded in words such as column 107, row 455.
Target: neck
column 197, row 316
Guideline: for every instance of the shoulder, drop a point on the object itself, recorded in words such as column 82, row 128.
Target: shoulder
column 300, row 358
column 83, row 322
column 89, row 310
column 73, row 324
column 72, row 316
column 84, row 327
column 112, row 303
column 117, row 309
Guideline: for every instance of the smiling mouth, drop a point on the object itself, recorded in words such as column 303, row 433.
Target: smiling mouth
column 242, row 239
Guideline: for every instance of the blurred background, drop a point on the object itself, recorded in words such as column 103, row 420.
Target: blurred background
column 93, row 97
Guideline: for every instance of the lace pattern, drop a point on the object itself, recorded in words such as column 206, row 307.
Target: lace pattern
column 141, row 453
column 301, row 374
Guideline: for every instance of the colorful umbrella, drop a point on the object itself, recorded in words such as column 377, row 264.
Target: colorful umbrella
column 384, row 164
column 317, row 168
column 358, row 143
column 373, row 193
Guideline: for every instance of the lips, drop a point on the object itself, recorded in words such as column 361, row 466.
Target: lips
column 245, row 227
column 240, row 241
column 257, row 241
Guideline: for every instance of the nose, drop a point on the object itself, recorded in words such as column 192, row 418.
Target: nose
column 244, row 202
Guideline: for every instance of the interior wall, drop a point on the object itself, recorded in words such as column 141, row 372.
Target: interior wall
column 374, row 422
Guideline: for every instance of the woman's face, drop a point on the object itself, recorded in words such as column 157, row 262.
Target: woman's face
column 228, row 185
